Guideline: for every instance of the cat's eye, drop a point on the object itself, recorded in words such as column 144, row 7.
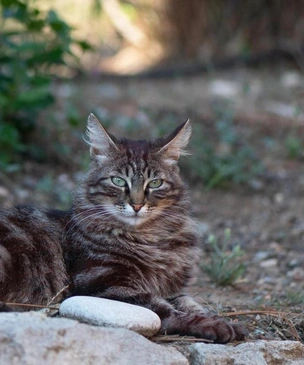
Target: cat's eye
column 118, row 181
column 156, row 183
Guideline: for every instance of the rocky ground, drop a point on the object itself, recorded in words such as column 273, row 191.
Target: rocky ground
column 265, row 215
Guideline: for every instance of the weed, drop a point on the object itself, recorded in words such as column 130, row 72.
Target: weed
column 227, row 159
column 225, row 266
column 294, row 146
column 293, row 297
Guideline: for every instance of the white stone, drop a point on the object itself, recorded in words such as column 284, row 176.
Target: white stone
column 291, row 79
column 34, row 339
column 269, row 263
column 250, row 353
column 224, row 88
column 111, row 313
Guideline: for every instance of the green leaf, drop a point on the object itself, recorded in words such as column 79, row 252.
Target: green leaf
column 38, row 97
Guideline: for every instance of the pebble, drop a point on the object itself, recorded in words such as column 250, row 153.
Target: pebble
column 269, row 263
column 3, row 192
column 111, row 313
column 224, row 88
column 261, row 255
column 203, row 228
column 296, row 274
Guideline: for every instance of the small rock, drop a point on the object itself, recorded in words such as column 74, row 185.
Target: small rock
column 224, row 88
column 261, row 255
column 296, row 274
column 267, row 280
column 291, row 79
column 111, row 313
column 281, row 109
column 269, row 263
column 3, row 192
column 293, row 263
column 203, row 228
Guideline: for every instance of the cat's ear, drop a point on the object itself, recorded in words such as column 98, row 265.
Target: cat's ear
column 100, row 141
column 176, row 143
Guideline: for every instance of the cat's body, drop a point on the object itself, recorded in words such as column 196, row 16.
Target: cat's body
column 127, row 237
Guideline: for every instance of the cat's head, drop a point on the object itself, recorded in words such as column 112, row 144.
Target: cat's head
column 135, row 181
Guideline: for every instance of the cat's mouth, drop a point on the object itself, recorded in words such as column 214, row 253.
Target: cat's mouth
column 133, row 220
column 134, row 216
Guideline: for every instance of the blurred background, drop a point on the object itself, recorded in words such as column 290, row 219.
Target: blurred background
column 234, row 67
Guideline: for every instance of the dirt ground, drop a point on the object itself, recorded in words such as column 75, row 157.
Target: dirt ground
column 265, row 216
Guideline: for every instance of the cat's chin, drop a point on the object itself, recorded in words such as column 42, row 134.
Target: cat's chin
column 133, row 220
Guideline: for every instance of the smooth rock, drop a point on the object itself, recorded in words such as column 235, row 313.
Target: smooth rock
column 249, row 353
column 269, row 263
column 225, row 88
column 34, row 339
column 111, row 313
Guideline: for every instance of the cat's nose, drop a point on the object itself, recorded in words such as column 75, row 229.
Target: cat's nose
column 137, row 207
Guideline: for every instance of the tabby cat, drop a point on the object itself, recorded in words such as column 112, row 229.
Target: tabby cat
column 127, row 237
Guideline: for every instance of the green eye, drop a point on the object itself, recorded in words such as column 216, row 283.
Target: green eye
column 154, row 184
column 118, row 181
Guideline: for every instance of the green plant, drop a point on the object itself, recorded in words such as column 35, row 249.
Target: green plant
column 32, row 44
column 225, row 266
column 293, row 297
column 226, row 158
column 294, row 146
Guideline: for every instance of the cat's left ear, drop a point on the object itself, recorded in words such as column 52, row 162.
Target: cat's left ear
column 101, row 143
column 176, row 143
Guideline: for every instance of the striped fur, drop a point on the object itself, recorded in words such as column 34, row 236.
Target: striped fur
column 128, row 237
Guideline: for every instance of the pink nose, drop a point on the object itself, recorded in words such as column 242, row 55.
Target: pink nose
column 137, row 207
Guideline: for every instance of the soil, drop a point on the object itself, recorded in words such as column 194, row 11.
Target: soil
column 265, row 215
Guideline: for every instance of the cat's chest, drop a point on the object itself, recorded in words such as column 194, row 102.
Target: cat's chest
column 162, row 269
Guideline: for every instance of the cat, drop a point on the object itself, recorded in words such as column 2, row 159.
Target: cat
column 128, row 237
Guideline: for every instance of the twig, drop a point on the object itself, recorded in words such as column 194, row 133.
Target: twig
column 276, row 314
column 57, row 295
column 30, row 305
column 264, row 312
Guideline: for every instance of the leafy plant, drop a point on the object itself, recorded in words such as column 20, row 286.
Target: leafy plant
column 224, row 160
column 294, row 146
column 225, row 266
column 32, row 43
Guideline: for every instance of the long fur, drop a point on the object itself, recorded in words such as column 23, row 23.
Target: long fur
column 128, row 236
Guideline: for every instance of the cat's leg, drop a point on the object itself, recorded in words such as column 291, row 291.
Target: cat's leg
column 187, row 304
column 197, row 321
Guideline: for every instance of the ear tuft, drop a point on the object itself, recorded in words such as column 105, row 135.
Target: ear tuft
column 176, row 143
column 100, row 141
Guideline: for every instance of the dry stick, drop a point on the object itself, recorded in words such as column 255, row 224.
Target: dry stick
column 277, row 314
column 48, row 305
column 30, row 305
column 274, row 312
column 57, row 294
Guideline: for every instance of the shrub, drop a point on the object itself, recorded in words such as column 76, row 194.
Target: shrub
column 224, row 160
column 32, row 43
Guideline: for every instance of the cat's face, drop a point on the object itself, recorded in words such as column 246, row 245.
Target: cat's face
column 134, row 181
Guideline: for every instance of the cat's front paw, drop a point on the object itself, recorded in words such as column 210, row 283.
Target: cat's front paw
column 217, row 329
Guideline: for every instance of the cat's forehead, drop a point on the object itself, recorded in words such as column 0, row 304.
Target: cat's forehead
column 138, row 156
column 135, row 148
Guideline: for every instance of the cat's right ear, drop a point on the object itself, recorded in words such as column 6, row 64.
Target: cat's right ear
column 100, row 141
